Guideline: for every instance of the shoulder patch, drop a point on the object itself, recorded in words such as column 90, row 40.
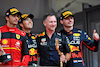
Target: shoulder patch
column 42, row 34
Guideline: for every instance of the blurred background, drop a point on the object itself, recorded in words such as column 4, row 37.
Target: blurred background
column 86, row 12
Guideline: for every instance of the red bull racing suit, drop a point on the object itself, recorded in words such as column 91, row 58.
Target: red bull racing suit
column 47, row 49
column 76, row 38
column 32, row 46
column 13, row 41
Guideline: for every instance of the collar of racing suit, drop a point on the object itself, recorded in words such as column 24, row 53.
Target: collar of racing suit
column 11, row 29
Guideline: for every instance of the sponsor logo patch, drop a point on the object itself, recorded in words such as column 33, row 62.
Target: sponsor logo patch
column 17, row 36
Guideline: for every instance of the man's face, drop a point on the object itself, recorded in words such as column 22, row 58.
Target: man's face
column 68, row 22
column 13, row 19
column 27, row 23
column 51, row 23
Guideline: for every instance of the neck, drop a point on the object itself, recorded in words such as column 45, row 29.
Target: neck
column 68, row 28
column 26, row 30
column 11, row 25
column 49, row 33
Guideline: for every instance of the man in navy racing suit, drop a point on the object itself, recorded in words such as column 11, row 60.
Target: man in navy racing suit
column 76, row 38
column 26, row 24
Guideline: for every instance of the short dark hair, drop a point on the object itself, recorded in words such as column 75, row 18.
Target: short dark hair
column 48, row 14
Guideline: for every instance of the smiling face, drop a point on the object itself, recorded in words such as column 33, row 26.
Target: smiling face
column 27, row 23
column 50, row 23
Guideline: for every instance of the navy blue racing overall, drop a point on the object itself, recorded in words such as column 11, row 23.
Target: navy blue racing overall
column 76, row 38
column 32, row 47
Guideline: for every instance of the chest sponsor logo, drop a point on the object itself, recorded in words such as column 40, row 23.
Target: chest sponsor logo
column 76, row 40
column 77, row 55
column 33, row 58
column 4, row 41
column 32, row 45
column 32, row 51
column 17, row 44
column 17, row 36
column 73, row 48
column 76, row 34
column 43, row 41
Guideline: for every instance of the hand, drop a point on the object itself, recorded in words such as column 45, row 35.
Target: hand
column 62, row 58
column 95, row 35
column 36, row 36
column 68, row 56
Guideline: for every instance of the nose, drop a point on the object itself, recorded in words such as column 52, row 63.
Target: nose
column 30, row 20
column 69, row 19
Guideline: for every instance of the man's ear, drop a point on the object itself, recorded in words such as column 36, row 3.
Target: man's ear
column 21, row 24
column 61, row 21
column 44, row 23
column 7, row 18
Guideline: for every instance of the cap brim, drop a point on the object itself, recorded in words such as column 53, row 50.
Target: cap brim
column 31, row 16
column 19, row 13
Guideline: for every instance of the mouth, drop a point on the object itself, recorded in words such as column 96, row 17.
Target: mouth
column 30, row 24
column 16, row 21
column 53, row 27
column 70, row 23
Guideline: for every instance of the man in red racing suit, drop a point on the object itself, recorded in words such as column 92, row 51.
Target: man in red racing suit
column 13, row 41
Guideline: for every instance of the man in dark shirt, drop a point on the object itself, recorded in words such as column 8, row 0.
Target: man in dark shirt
column 47, row 41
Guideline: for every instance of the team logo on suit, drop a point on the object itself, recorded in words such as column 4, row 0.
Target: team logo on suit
column 17, row 36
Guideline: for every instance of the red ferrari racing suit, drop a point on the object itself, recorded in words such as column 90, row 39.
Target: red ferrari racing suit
column 13, row 41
